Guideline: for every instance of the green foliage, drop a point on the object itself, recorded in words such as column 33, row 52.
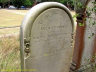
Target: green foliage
column 32, row 1
column 81, row 24
column 61, row 1
column 64, row 2
column 19, row 3
column 91, row 37
column 26, row 3
column 3, row 1
column 89, row 12
column 76, row 15
column 79, row 5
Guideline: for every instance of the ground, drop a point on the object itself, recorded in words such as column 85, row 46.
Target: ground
column 10, row 18
column 9, row 38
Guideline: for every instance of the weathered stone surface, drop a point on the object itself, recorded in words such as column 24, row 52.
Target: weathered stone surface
column 89, row 36
column 47, row 28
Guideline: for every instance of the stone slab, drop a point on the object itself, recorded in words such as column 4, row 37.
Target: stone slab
column 48, row 28
column 89, row 42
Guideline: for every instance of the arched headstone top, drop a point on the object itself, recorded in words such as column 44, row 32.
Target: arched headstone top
column 37, row 10
column 46, row 38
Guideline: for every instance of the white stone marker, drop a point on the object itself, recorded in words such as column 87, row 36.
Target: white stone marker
column 45, row 38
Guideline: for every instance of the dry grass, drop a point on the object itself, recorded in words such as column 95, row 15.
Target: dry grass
column 9, row 31
column 22, row 11
column 9, row 19
column 9, row 46
column 9, row 53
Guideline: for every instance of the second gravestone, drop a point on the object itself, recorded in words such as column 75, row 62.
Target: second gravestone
column 46, row 38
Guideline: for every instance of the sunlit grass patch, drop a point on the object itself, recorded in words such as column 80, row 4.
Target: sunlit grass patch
column 9, row 31
column 22, row 11
column 9, row 19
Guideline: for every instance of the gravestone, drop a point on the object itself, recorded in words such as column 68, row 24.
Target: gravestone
column 46, row 38
column 85, row 40
column 89, row 35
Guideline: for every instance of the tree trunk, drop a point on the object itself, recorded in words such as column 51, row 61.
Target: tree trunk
column 3, row 5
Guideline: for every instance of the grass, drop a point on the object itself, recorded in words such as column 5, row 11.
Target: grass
column 10, row 46
column 9, row 19
column 22, row 11
column 9, row 53
column 9, row 31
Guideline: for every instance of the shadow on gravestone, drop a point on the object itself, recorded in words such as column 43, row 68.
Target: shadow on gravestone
column 45, row 38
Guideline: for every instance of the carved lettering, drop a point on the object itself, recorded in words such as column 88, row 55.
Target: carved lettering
column 53, row 27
